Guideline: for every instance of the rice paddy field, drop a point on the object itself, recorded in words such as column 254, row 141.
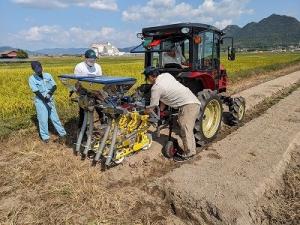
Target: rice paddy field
column 16, row 102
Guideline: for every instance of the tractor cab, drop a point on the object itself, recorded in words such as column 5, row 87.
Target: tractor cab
column 189, row 51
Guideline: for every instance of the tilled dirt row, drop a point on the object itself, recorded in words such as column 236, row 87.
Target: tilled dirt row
column 281, row 205
column 250, row 162
column 47, row 184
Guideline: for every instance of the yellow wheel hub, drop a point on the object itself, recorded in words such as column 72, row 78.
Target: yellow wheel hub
column 211, row 118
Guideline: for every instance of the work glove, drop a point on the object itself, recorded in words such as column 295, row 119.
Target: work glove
column 40, row 96
column 47, row 98
column 52, row 90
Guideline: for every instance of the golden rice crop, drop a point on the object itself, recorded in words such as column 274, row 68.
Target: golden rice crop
column 16, row 97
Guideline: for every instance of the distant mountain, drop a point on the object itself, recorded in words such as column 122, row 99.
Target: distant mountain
column 50, row 51
column 232, row 30
column 71, row 51
column 58, row 51
column 6, row 48
column 61, row 51
column 275, row 30
column 127, row 49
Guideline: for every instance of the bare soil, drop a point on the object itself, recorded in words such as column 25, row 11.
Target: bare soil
column 223, row 187
column 47, row 184
column 282, row 205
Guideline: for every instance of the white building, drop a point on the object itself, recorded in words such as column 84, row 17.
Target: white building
column 106, row 49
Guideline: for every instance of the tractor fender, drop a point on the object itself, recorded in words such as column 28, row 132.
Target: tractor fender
column 206, row 78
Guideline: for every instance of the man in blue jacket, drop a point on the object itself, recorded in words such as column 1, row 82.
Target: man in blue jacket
column 43, row 86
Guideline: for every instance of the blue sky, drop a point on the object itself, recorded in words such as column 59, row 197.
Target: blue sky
column 36, row 24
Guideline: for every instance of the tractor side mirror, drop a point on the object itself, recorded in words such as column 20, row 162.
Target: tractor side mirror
column 140, row 35
column 231, row 53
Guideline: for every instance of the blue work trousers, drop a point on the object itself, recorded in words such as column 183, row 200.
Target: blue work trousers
column 44, row 112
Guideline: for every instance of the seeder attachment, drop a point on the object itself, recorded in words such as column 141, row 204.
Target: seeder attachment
column 126, row 128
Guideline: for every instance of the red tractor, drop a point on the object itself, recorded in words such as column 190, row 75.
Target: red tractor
column 191, row 53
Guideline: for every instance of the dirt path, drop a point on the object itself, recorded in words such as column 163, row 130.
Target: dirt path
column 47, row 184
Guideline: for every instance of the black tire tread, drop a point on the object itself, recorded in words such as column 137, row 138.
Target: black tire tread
column 234, row 109
column 203, row 97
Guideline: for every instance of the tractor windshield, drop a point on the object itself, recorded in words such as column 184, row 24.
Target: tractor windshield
column 199, row 51
column 174, row 53
column 205, row 50
column 171, row 54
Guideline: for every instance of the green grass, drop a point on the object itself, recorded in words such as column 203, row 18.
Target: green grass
column 17, row 109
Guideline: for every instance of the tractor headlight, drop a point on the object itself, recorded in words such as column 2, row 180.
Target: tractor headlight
column 185, row 30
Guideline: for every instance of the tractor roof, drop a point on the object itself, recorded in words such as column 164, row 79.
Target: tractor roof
column 176, row 29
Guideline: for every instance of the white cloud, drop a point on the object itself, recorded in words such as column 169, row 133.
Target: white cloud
column 56, row 36
column 208, row 6
column 110, row 5
column 104, row 5
column 158, row 13
column 42, row 3
column 215, row 12
column 164, row 3
column 38, row 33
column 131, row 16
column 223, row 23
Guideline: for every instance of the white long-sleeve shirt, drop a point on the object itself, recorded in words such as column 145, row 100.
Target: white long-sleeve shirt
column 178, row 58
column 171, row 92
column 84, row 69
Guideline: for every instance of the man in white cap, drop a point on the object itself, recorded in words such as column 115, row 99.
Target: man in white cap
column 89, row 66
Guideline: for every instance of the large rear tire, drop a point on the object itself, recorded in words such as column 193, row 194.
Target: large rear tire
column 209, row 120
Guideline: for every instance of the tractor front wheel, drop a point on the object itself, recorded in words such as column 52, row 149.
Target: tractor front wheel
column 210, row 116
column 237, row 111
